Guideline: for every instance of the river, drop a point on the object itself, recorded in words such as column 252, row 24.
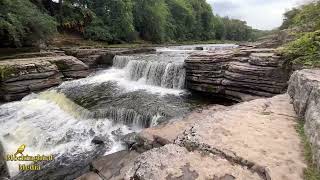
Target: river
column 139, row 91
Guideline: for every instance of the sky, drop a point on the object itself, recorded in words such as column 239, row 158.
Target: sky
column 260, row 14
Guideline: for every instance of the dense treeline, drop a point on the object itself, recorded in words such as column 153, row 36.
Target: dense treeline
column 305, row 24
column 22, row 22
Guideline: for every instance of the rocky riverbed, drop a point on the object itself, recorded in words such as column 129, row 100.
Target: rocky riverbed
column 251, row 140
column 255, row 139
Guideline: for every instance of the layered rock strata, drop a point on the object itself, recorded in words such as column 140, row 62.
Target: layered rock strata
column 19, row 77
column 240, row 74
column 102, row 57
column 304, row 89
column 251, row 140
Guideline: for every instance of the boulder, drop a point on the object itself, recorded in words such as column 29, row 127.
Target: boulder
column 304, row 89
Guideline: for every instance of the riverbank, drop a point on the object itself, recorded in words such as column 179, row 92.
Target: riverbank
column 251, row 140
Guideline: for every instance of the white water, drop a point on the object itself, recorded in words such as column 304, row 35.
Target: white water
column 49, row 123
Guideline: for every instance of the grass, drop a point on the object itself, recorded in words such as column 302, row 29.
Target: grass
column 311, row 172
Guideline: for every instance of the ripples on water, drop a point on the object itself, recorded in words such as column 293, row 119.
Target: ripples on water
column 139, row 91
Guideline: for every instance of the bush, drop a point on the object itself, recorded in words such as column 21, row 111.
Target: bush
column 305, row 51
column 22, row 23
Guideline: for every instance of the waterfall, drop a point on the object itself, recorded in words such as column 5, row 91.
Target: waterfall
column 127, row 116
column 121, row 61
column 167, row 74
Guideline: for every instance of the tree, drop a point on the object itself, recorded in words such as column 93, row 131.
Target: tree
column 23, row 24
column 151, row 19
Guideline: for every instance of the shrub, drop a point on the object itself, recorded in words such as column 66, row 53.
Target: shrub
column 305, row 51
column 22, row 23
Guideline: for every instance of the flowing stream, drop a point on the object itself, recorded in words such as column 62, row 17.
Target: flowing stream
column 139, row 91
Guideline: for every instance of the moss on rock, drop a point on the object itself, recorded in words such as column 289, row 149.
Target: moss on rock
column 6, row 71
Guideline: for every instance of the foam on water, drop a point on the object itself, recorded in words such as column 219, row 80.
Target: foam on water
column 120, row 77
column 51, row 124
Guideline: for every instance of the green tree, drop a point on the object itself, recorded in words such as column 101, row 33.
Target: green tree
column 151, row 19
column 23, row 24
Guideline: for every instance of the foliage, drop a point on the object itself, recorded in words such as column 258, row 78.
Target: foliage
column 22, row 23
column 97, row 31
column 305, row 50
column 306, row 17
column 117, row 21
column 116, row 16
column 151, row 19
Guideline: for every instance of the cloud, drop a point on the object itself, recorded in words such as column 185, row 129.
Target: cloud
column 260, row 14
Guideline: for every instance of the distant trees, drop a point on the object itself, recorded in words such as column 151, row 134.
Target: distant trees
column 117, row 21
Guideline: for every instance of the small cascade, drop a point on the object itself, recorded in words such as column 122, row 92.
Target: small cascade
column 166, row 74
column 127, row 116
column 121, row 61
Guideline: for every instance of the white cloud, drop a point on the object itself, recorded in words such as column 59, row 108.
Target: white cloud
column 260, row 14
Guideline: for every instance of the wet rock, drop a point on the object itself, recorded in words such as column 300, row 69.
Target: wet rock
column 304, row 89
column 240, row 74
column 130, row 139
column 101, row 140
column 97, row 140
column 199, row 48
column 118, row 134
column 4, row 173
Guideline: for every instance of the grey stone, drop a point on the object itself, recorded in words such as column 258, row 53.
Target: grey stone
column 241, row 74
column 304, row 89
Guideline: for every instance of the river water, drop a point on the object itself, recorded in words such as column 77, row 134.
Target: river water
column 139, row 91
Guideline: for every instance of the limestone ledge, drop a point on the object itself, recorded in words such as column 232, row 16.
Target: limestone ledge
column 251, row 140
column 19, row 77
column 241, row 74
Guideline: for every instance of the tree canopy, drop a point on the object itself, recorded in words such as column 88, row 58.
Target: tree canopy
column 116, row 21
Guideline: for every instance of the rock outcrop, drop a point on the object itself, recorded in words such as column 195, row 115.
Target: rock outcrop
column 251, row 140
column 103, row 57
column 240, row 74
column 19, row 77
column 304, row 89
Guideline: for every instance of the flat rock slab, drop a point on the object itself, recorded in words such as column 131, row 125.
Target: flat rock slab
column 261, row 131
column 252, row 140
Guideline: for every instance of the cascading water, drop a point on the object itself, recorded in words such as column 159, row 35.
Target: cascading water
column 166, row 72
column 139, row 91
